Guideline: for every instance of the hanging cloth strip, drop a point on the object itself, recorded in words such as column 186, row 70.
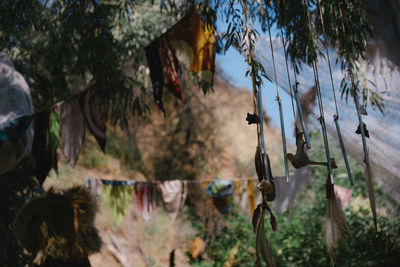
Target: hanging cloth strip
column 319, row 98
column 117, row 195
column 221, row 192
column 145, row 199
column 279, row 104
column 170, row 66
column 335, row 116
column 72, row 130
column 173, row 195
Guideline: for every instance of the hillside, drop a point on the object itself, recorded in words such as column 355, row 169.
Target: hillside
column 203, row 138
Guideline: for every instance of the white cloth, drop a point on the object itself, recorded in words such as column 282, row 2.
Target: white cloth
column 173, row 194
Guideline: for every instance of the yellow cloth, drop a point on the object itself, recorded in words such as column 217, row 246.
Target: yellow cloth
column 252, row 200
column 205, row 183
column 194, row 45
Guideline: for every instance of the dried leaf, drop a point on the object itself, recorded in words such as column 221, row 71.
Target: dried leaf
column 363, row 110
column 262, row 246
column 256, row 217
column 252, row 119
column 358, row 131
column 272, row 219
column 259, row 164
column 368, row 181
column 260, row 169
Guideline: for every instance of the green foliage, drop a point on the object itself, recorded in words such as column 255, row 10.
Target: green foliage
column 122, row 147
column 238, row 228
column 300, row 240
column 54, row 133
column 93, row 158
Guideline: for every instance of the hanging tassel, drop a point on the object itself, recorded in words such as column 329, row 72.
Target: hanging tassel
column 368, row 181
column 335, row 221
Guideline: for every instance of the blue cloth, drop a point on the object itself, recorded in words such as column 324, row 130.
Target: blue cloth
column 221, row 191
column 220, row 188
column 116, row 182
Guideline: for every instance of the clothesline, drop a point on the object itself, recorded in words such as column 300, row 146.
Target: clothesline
column 118, row 194
column 128, row 182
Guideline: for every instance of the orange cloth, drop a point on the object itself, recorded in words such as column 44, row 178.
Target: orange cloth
column 205, row 183
column 252, row 200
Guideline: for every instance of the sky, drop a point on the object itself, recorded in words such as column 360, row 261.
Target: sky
column 234, row 66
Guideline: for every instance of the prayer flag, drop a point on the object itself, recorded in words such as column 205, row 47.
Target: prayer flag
column 145, row 199
column 72, row 130
column 92, row 113
column 173, row 196
column 117, row 197
column 156, row 73
column 194, row 45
